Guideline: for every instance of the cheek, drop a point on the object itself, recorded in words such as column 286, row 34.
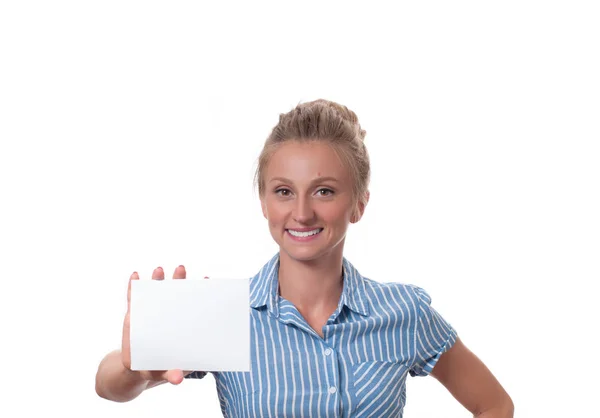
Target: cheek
column 275, row 214
column 336, row 215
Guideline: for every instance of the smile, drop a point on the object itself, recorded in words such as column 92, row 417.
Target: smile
column 304, row 234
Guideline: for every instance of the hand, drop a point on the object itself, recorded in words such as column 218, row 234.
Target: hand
column 172, row 376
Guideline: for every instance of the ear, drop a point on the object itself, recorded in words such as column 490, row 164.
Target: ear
column 360, row 208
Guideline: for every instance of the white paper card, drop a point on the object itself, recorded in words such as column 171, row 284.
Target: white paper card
column 190, row 324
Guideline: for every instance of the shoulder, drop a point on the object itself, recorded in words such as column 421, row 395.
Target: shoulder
column 403, row 296
column 409, row 290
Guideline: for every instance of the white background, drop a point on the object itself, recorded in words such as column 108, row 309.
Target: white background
column 129, row 135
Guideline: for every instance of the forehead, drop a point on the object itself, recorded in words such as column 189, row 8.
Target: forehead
column 305, row 160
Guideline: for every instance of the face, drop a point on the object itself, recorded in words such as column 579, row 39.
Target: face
column 308, row 200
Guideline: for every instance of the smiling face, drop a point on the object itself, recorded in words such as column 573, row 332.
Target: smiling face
column 308, row 200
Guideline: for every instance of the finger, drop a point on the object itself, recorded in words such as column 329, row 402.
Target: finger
column 134, row 276
column 179, row 273
column 158, row 274
column 174, row 377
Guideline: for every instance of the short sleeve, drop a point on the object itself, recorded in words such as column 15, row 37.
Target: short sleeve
column 434, row 336
column 196, row 375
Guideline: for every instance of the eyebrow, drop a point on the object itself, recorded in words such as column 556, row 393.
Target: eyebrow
column 317, row 180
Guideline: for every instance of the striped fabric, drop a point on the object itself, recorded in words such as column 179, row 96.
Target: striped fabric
column 379, row 333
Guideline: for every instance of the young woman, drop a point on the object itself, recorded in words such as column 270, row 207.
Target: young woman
column 325, row 341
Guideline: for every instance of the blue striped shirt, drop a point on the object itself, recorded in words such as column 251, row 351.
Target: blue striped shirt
column 379, row 333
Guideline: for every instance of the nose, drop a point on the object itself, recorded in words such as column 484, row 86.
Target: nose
column 303, row 211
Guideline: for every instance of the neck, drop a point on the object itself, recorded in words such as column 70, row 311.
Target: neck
column 312, row 286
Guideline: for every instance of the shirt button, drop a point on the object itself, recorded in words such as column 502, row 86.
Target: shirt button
column 332, row 390
column 328, row 351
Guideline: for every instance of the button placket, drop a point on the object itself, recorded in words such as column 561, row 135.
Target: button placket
column 328, row 352
column 331, row 358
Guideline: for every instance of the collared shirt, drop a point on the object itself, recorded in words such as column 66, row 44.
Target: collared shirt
column 379, row 334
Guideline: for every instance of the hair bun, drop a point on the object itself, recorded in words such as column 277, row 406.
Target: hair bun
column 340, row 110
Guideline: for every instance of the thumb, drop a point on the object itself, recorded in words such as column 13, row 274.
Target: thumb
column 175, row 376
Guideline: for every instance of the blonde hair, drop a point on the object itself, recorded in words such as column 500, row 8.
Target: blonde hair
column 322, row 120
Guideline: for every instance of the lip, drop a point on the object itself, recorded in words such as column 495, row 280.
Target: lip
column 304, row 239
column 304, row 229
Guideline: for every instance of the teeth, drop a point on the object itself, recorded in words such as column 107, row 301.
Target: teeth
column 304, row 234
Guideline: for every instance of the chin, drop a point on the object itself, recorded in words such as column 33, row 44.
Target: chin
column 306, row 252
column 303, row 254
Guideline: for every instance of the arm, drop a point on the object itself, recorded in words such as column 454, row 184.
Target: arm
column 472, row 384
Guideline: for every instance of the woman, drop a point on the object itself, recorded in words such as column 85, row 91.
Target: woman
column 325, row 340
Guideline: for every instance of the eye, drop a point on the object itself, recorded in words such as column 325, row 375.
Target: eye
column 282, row 192
column 325, row 192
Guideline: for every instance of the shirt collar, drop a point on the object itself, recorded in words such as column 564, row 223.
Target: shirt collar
column 354, row 293
column 264, row 288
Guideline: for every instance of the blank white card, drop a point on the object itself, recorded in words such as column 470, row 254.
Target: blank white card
column 190, row 324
